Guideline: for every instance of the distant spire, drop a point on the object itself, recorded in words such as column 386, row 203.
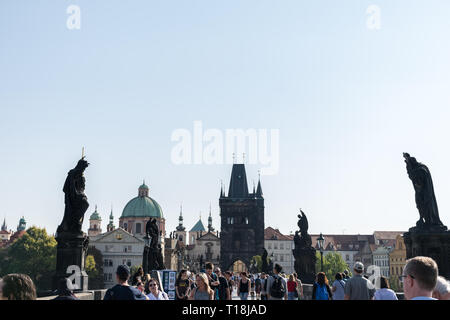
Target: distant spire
column 210, row 227
column 259, row 192
column 180, row 226
column 4, row 227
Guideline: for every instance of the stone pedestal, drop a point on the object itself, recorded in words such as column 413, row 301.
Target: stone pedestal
column 430, row 242
column 305, row 264
column 70, row 259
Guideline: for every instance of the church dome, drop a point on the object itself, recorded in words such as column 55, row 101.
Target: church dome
column 142, row 206
column 95, row 215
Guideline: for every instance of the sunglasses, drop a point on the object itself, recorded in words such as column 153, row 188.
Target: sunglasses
column 152, row 285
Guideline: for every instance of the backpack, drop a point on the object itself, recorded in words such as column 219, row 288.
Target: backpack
column 321, row 292
column 277, row 290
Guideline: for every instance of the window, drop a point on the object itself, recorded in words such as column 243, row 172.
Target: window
column 125, row 226
column 275, row 246
column 347, row 257
column 109, row 248
column 129, row 263
column 138, row 228
column 281, row 257
column 281, row 246
column 270, row 246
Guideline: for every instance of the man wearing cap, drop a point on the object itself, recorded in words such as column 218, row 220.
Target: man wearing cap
column 122, row 291
column 358, row 287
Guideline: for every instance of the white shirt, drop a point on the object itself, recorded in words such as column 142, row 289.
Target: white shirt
column 385, row 294
column 161, row 296
column 423, row 298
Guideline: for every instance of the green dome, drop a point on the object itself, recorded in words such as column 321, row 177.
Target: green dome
column 142, row 207
column 95, row 215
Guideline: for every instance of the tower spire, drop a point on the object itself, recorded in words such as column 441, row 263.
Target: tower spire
column 259, row 192
column 210, row 227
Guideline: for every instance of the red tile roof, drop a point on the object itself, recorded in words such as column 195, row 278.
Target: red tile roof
column 275, row 234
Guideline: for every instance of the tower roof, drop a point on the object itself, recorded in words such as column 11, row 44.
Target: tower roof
column 198, row 226
column 95, row 215
column 142, row 206
column 238, row 183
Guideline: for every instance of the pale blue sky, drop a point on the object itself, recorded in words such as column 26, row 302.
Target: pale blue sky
column 347, row 101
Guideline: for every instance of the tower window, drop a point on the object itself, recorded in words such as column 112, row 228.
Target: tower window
column 138, row 228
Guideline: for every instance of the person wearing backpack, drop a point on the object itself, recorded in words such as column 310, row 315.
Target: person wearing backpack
column 321, row 289
column 276, row 285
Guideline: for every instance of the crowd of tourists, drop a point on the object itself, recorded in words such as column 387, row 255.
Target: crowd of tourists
column 420, row 281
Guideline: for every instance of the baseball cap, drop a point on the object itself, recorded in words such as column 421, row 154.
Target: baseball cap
column 123, row 271
column 359, row 266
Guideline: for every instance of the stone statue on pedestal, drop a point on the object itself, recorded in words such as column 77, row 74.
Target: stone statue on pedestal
column 72, row 242
column 425, row 198
column 430, row 236
column 304, row 253
column 152, row 256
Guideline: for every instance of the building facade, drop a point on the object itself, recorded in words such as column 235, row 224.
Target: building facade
column 118, row 247
column 279, row 249
column 397, row 261
column 242, row 220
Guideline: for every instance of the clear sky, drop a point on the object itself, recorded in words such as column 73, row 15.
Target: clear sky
column 347, row 101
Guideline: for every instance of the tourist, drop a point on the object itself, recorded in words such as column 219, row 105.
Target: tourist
column 138, row 276
column 155, row 292
column 16, row 286
column 202, row 291
column 258, row 287
column 223, row 292
column 65, row 288
column 338, row 287
column 321, row 288
column 276, row 285
column 212, row 278
column 243, row 287
column 299, row 286
column 122, row 290
column 442, row 289
column 182, row 286
column 147, row 278
column 358, row 287
column 385, row 293
column 140, row 286
column 263, row 286
column 419, row 278
column 346, row 276
column 228, row 276
column 292, row 288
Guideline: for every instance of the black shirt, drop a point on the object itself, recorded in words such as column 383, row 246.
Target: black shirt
column 223, row 288
column 120, row 292
column 182, row 286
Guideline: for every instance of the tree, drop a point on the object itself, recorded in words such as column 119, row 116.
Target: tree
column 332, row 264
column 94, row 268
column 256, row 261
column 33, row 254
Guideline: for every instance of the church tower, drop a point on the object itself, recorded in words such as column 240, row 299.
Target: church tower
column 180, row 232
column 242, row 220
column 94, row 224
column 110, row 226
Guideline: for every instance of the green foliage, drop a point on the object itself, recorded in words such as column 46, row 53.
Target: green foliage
column 94, row 268
column 257, row 262
column 134, row 269
column 332, row 264
column 33, row 254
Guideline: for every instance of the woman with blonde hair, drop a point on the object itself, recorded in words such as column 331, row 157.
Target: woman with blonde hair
column 202, row 291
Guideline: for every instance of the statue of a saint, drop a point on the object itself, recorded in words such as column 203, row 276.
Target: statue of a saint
column 75, row 200
column 425, row 198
